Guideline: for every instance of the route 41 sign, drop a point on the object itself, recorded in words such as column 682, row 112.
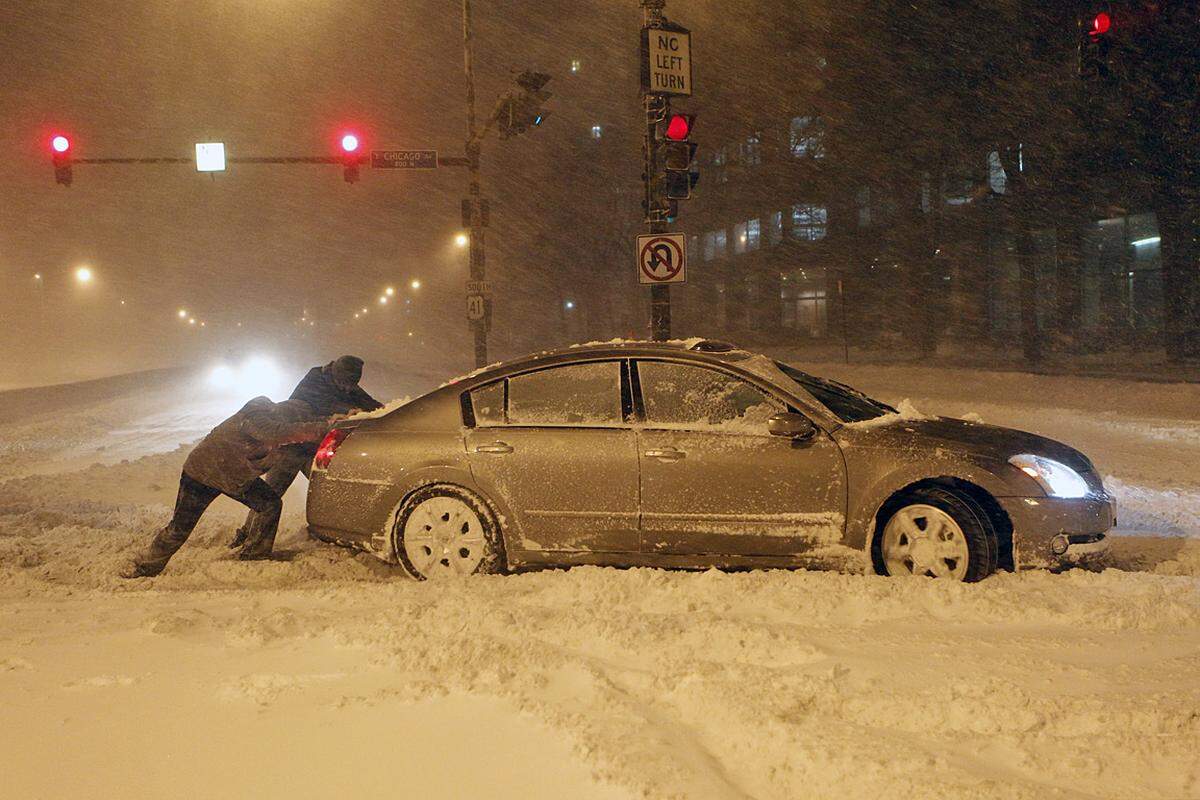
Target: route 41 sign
column 662, row 258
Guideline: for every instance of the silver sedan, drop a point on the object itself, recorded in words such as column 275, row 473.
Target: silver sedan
column 694, row 454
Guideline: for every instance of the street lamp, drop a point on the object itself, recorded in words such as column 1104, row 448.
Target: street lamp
column 182, row 313
column 462, row 240
column 83, row 275
column 389, row 291
column 416, row 284
column 383, row 299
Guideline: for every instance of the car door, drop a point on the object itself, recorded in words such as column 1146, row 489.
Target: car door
column 557, row 445
column 715, row 481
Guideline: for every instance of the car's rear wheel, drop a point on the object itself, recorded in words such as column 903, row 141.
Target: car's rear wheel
column 932, row 532
column 444, row 531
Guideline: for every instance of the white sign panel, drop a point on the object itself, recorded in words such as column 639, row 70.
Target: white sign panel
column 670, row 61
column 210, row 157
column 476, row 307
column 662, row 258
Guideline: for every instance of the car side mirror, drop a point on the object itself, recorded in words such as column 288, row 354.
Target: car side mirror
column 791, row 425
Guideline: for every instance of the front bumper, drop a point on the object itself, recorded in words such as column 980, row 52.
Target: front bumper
column 1049, row 531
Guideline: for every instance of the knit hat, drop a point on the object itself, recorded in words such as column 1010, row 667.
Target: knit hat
column 347, row 370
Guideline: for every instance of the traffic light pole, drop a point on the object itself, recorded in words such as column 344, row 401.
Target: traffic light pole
column 656, row 108
column 476, row 257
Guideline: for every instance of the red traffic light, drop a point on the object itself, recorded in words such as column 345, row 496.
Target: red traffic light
column 60, row 144
column 349, row 142
column 679, row 126
column 1101, row 24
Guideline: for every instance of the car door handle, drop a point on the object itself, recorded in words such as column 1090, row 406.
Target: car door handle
column 665, row 454
column 494, row 447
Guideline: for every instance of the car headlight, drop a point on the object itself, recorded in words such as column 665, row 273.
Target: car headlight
column 1058, row 480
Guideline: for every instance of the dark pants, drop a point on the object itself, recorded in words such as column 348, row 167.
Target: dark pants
column 257, row 534
column 190, row 504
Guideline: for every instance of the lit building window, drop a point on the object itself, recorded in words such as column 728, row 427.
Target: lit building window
column 753, row 234
column 752, row 151
column 719, row 243
column 805, row 138
column 809, row 223
column 775, row 232
column 739, row 238
column 997, row 178
column 575, row 65
column 597, row 131
column 864, row 208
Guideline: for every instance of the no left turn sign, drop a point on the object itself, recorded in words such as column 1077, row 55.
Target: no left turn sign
column 662, row 258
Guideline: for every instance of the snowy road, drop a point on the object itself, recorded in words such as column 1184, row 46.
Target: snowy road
column 326, row 674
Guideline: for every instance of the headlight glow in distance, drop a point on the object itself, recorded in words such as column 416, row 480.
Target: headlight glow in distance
column 254, row 377
column 1057, row 479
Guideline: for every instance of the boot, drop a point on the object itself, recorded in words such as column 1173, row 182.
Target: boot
column 240, row 537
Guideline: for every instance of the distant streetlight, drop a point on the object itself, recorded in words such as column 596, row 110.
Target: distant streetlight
column 389, row 291
column 192, row 321
column 37, row 276
column 182, row 313
column 462, row 240
column 83, row 275
column 383, row 299
column 416, row 284
column 570, row 304
column 364, row 311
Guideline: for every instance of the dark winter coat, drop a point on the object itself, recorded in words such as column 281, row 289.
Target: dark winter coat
column 333, row 388
column 243, row 447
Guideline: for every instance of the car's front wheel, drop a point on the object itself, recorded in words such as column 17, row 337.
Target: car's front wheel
column 445, row 530
column 932, row 532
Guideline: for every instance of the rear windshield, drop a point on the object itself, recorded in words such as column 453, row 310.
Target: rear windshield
column 848, row 405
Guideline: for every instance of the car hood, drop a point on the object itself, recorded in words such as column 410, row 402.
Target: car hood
column 977, row 438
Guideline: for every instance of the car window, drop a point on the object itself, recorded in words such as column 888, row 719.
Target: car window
column 576, row 394
column 487, row 403
column 848, row 405
column 686, row 396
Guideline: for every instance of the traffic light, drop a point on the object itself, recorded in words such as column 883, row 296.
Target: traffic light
column 1098, row 28
column 60, row 154
column 677, row 155
column 350, row 156
column 517, row 112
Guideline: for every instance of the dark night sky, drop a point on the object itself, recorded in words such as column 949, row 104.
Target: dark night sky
column 258, row 244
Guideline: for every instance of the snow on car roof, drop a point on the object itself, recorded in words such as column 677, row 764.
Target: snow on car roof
column 696, row 345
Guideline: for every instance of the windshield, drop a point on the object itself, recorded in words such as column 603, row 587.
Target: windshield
column 848, row 405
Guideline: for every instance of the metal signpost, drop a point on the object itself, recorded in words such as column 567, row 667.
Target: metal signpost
column 666, row 68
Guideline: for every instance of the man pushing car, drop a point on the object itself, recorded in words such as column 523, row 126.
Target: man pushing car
column 329, row 390
column 230, row 461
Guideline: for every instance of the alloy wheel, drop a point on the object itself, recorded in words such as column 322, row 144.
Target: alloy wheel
column 924, row 540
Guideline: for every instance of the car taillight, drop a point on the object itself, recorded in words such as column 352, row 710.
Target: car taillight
column 329, row 446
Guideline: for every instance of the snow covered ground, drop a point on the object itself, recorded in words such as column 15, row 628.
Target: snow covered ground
column 327, row 674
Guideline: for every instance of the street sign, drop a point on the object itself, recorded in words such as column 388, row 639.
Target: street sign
column 210, row 157
column 662, row 258
column 476, row 307
column 404, row 159
column 478, row 295
column 667, row 60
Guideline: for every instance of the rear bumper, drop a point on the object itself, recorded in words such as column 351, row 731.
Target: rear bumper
column 1050, row 530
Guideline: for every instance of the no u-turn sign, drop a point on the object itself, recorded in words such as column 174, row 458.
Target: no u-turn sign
column 662, row 258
